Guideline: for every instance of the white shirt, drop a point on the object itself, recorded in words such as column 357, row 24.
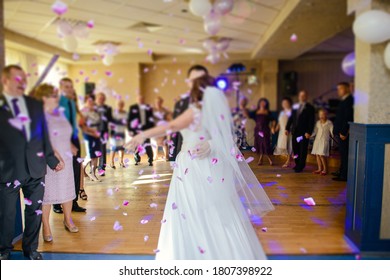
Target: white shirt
column 345, row 96
column 23, row 110
column 142, row 113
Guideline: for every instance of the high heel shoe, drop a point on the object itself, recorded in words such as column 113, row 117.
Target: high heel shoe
column 72, row 229
column 48, row 238
column 83, row 194
column 324, row 173
column 113, row 166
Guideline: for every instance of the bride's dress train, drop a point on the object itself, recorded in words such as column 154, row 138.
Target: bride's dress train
column 204, row 216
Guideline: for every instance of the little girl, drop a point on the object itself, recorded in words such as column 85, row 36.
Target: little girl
column 323, row 132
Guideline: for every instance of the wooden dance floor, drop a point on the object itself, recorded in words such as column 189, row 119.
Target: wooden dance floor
column 293, row 228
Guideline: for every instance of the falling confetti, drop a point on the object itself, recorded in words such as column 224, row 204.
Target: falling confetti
column 98, row 153
column 156, row 251
column 80, row 160
column 153, row 205
column 143, row 222
column 201, row 250
column 164, row 221
column 90, row 24
column 110, row 192
column 249, row 159
column 261, row 134
column 299, row 138
column 294, row 38
column 309, row 201
column 253, row 149
column 295, row 156
column 125, row 202
column 278, row 175
column 59, row 8
column 38, row 212
column 101, row 172
column 209, row 179
column 92, row 219
column 146, row 238
column 40, row 154
column 264, row 229
column 27, row 201
column 174, row 206
column 186, row 171
column 117, row 226
column 214, row 161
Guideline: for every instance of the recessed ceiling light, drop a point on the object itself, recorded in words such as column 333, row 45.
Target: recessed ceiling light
column 184, row 11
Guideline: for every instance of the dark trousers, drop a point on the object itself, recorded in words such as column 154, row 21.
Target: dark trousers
column 149, row 152
column 103, row 157
column 343, row 148
column 32, row 190
column 300, row 150
column 77, row 168
column 177, row 142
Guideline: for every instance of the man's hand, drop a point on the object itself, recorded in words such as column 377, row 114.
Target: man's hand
column 342, row 137
column 135, row 142
column 60, row 166
column 286, row 132
column 73, row 150
column 307, row 135
column 202, row 150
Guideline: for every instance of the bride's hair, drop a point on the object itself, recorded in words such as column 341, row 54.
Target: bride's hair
column 199, row 85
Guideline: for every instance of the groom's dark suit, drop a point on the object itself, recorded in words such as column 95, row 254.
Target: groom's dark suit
column 23, row 166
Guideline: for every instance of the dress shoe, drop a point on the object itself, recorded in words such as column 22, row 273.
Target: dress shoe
column 5, row 256
column 336, row 174
column 57, row 209
column 150, row 163
column 77, row 208
column 72, row 229
column 137, row 163
column 340, row 179
column 33, row 255
column 298, row 170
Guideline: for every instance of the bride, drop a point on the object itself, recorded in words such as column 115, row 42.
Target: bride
column 213, row 193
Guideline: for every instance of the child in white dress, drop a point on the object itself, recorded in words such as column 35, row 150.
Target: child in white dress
column 323, row 132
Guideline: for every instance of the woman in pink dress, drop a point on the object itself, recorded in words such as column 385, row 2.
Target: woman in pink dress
column 59, row 187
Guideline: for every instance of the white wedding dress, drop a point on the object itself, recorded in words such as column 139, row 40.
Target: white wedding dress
column 206, row 213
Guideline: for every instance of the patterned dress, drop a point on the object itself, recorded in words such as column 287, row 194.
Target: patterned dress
column 59, row 186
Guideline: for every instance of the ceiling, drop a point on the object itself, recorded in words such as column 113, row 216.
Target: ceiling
column 122, row 20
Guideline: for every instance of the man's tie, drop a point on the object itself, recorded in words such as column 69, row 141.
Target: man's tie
column 17, row 112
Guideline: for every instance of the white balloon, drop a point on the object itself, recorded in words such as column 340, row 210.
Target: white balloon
column 210, row 45
column 70, row 43
column 224, row 6
column 81, row 31
column 387, row 55
column 213, row 58
column 200, row 8
column 223, row 44
column 212, row 23
column 372, row 26
column 64, row 28
column 108, row 60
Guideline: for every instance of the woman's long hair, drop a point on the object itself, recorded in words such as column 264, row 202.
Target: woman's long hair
column 266, row 103
column 199, row 85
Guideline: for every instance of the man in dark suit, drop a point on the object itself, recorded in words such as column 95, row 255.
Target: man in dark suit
column 25, row 150
column 105, row 112
column 301, row 125
column 181, row 105
column 139, row 119
column 344, row 115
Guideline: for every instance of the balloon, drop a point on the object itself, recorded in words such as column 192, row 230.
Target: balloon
column 210, row 45
column 70, row 43
column 372, row 26
column 387, row 55
column 81, row 31
column 212, row 23
column 200, row 8
column 108, row 60
column 224, row 6
column 223, row 44
column 64, row 28
column 213, row 58
column 348, row 64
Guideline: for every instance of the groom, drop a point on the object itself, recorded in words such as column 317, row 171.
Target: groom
column 181, row 105
column 25, row 150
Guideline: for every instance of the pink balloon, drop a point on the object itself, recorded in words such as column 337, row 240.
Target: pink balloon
column 224, row 6
column 212, row 23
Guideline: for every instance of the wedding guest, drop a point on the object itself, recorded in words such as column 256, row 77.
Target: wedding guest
column 344, row 116
column 92, row 120
column 300, row 125
column 140, row 118
column 239, row 121
column 25, row 150
column 284, row 144
column 161, row 115
column 181, row 105
column 263, row 119
column 118, row 128
column 323, row 132
column 105, row 112
column 68, row 103
column 59, row 187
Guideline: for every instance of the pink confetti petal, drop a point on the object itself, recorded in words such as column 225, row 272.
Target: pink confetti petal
column 264, row 229
column 125, row 203
column 253, row 149
column 59, row 8
column 108, row 73
column 294, row 38
column 261, row 134
column 27, row 201
column 174, row 206
column 101, row 172
column 153, row 205
column 80, row 160
column 156, row 251
column 38, row 212
column 90, row 24
column 16, row 183
column 201, row 250
column 39, row 201
column 141, row 172
column 278, row 175
column 98, row 153
column 299, row 138
column 209, row 179
column 163, row 221
column 141, row 150
column 295, row 156
column 40, row 154
column 214, row 161
column 309, row 201
column 143, row 222
column 92, row 219
column 146, row 238
column 249, row 159
column 117, row 226
column 186, row 171
column 9, row 184
column 110, row 192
